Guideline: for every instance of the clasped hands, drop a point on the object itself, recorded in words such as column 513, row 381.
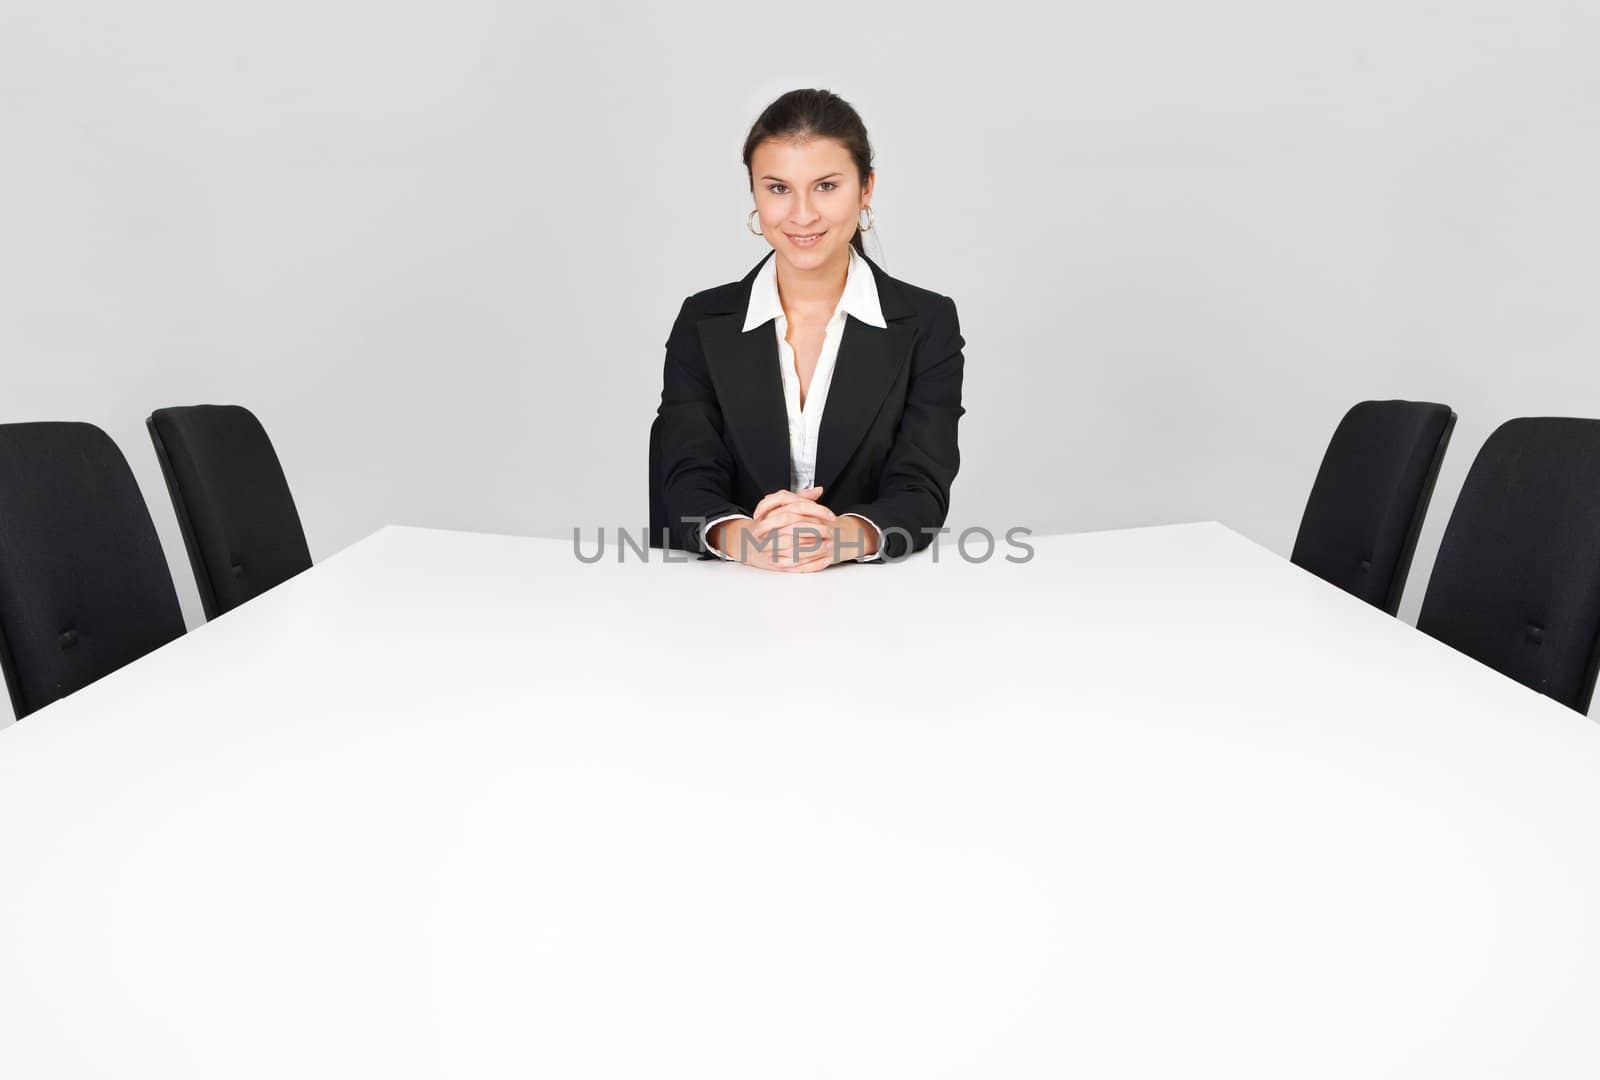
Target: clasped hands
column 793, row 533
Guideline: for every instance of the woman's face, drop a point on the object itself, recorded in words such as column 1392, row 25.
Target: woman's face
column 809, row 197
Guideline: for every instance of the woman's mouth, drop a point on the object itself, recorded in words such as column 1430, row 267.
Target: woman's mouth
column 807, row 240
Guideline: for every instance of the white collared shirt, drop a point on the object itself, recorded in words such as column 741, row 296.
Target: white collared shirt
column 860, row 299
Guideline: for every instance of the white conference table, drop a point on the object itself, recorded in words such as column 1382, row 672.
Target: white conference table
column 1155, row 803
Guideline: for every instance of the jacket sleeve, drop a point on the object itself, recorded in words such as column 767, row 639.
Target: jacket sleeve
column 697, row 469
column 914, row 492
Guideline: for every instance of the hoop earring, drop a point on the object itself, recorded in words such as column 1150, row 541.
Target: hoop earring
column 871, row 220
column 750, row 222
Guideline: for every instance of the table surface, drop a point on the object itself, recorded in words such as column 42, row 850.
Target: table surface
column 1154, row 803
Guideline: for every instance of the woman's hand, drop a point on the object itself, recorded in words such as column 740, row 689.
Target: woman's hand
column 737, row 538
column 791, row 532
column 798, row 531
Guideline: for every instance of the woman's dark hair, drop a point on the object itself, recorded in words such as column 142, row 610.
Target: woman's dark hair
column 804, row 114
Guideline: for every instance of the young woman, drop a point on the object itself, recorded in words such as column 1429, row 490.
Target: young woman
column 809, row 410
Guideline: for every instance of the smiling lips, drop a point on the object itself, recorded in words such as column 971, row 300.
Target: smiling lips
column 809, row 240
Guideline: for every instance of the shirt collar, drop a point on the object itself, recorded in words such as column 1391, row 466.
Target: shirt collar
column 860, row 297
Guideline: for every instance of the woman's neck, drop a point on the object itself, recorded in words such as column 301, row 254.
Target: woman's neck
column 812, row 290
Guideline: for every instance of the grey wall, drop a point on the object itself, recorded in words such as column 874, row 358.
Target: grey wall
column 438, row 247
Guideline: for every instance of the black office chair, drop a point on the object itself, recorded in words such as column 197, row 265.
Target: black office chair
column 1516, row 583
column 677, row 540
column 84, row 586
column 658, row 510
column 234, row 508
column 1361, row 521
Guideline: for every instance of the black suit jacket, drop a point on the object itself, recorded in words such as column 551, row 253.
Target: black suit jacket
column 887, row 444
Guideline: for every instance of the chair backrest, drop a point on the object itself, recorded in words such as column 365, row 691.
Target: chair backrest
column 658, row 510
column 1361, row 521
column 233, row 503
column 1516, row 583
column 84, row 586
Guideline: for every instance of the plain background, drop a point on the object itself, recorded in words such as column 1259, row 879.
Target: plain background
column 438, row 247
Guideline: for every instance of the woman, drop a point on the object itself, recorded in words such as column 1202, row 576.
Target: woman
column 808, row 411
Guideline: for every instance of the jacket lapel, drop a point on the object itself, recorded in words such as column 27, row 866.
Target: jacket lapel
column 744, row 372
column 870, row 359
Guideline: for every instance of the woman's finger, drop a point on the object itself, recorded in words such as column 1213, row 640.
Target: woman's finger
column 788, row 546
column 788, row 522
column 787, row 564
column 800, row 541
column 806, row 564
column 771, row 502
column 814, row 565
column 778, row 498
column 790, row 514
column 801, row 538
column 792, row 538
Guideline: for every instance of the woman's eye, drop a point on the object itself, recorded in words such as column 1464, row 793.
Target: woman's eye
column 774, row 188
column 829, row 184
